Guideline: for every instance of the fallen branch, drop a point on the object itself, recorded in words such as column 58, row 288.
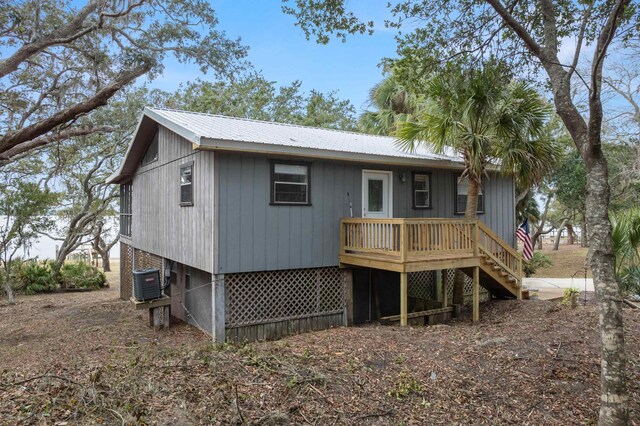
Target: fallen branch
column 235, row 389
column 118, row 414
column 631, row 304
column 558, row 350
column 41, row 376
column 366, row 416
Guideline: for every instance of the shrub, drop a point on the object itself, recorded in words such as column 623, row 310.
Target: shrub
column 33, row 277
column 81, row 275
column 538, row 260
column 569, row 293
column 629, row 280
column 14, row 264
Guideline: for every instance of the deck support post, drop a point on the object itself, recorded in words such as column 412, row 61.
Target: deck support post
column 445, row 291
column 347, row 276
column 476, row 294
column 520, row 279
column 217, row 308
column 403, row 299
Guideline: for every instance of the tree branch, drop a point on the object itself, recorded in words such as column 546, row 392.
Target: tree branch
column 517, row 27
column 25, row 147
column 13, row 139
column 72, row 31
column 583, row 26
column 595, row 100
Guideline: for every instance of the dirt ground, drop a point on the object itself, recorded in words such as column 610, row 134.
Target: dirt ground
column 566, row 261
column 89, row 358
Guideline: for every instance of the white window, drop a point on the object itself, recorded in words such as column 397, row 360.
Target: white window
column 186, row 184
column 290, row 183
column 462, row 189
column 126, row 210
column 421, row 190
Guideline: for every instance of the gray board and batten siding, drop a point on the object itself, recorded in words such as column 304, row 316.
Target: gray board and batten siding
column 160, row 225
column 256, row 236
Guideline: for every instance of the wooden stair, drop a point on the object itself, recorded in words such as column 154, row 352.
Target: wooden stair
column 408, row 245
column 496, row 279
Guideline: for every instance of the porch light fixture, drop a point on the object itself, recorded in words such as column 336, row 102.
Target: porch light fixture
column 403, row 177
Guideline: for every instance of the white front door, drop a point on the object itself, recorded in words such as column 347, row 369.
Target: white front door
column 377, row 198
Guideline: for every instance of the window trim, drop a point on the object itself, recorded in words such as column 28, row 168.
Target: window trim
column 155, row 139
column 456, row 177
column 272, row 164
column 413, row 190
column 126, row 201
column 185, row 203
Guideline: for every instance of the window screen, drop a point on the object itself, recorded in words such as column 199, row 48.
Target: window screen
column 421, row 190
column 462, row 190
column 186, row 185
column 152, row 151
column 126, row 210
column 290, row 183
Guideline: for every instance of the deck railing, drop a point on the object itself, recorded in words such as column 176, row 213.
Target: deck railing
column 406, row 239
column 499, row 251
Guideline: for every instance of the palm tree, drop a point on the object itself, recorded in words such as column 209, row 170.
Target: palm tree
column 482, row 116
column 392, row 104
column 626, row 245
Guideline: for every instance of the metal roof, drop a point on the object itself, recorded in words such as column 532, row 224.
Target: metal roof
column 208, row 131
column 218, row 127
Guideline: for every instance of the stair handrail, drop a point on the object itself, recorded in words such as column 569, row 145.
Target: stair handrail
column 517, row 273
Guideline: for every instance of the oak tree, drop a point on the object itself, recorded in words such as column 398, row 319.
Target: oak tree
column 60, row 61
column 528, row 35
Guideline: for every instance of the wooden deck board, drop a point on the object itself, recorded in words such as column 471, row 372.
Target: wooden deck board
column 149, row 304
column 411, row 315
column 413, row 263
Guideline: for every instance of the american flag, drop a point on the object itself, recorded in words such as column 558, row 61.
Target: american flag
column 523, row 235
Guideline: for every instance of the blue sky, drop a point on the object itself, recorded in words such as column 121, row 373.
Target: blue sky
column 281, row 52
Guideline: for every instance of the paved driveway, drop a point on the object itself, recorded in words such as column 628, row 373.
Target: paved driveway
column 552, row 288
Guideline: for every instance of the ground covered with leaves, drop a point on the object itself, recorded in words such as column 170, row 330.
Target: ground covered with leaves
column 88, row 358
column 566, row 261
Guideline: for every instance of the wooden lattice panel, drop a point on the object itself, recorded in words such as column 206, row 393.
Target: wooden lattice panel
column 422, row 285
column 126, row 267
column 264, row 297
column 145, row 260
column 468, row 288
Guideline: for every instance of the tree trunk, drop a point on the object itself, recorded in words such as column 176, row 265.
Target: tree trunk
column 614, row 397
column 60, row 259
column 7, row 286
column 570, row 234
column 470, row 213
column 537, row 236
column 584, row 241
column 556, row 243
column 106, row 263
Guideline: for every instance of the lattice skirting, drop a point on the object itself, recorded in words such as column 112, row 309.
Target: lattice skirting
column 126, row 267
column 468, row 288
column 294, row 300
column 422, row 285
column 131, row 259
column 144, row 260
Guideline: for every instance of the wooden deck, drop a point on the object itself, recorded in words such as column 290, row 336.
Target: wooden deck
column 412, row 245
column 413, row 262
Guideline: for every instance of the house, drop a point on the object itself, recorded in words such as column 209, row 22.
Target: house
column 267, row 229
